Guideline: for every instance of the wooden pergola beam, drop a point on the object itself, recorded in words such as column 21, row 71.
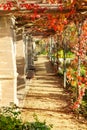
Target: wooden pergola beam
column 49, row 8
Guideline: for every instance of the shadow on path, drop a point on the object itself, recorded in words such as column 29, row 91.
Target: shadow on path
column 45, row 97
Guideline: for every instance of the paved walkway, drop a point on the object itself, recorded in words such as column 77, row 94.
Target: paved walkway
column 46, row 98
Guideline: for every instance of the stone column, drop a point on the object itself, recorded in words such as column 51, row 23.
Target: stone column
column 8, row 72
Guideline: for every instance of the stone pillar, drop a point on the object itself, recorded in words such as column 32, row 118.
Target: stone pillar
column 8, row 72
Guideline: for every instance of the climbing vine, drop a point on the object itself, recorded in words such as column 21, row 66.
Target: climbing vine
column 74, row 32
column 77, row 74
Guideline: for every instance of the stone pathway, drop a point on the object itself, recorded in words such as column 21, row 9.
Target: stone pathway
column 46, row 98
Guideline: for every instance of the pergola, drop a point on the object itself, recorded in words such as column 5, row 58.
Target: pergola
column 44, row 18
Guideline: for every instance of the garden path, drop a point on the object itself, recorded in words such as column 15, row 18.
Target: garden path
column 46, row 98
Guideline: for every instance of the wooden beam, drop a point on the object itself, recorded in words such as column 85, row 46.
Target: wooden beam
column 49, row 8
